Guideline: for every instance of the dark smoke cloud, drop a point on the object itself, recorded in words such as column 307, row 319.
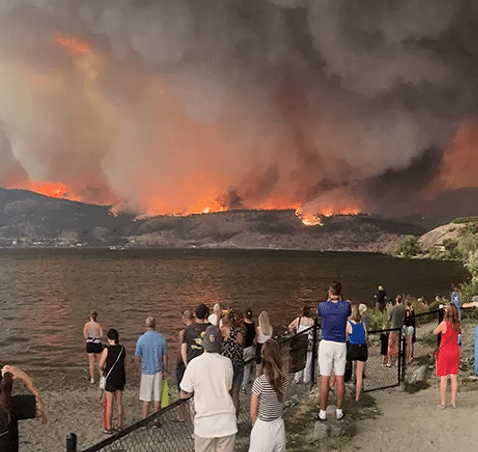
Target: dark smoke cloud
column 300, row 101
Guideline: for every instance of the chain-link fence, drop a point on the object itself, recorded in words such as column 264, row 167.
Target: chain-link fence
column 162, row 432
column 378, row 373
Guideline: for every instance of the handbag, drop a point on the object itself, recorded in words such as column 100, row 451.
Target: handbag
column 103, row 379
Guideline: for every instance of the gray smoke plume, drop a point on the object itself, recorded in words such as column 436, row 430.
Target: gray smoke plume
column 174, row 104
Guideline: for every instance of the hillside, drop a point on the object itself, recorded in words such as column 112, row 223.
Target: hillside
column 30, row 219
column 280, row 229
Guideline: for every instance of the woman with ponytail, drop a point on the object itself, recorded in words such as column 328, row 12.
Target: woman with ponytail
column 15, row 408
column 267, row 402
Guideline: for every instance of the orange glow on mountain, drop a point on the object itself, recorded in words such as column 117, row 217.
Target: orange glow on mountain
column 51, row 189
column 74, row 45
column 157, row 206
column 328, row 212
column 460, row 165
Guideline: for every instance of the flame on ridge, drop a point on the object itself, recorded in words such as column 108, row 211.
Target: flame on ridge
column 51, row 189
column 308, row 219
column 158, row 207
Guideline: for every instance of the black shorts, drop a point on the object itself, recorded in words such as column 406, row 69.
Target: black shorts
column 357, row 353
column 180, row 368
column 119, row 386
column 94, row 347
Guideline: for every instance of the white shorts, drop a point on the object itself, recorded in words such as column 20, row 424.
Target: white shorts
column 150, row 385
column 268, row 436
column 332, row 356
column 407, row 330
column 224, row 444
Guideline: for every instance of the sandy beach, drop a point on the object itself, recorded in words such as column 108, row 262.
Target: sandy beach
column 78, row 411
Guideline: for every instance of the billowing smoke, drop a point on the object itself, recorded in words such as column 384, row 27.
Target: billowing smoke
column 180, row 105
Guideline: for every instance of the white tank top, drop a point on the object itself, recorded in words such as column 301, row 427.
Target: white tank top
column 261, row 338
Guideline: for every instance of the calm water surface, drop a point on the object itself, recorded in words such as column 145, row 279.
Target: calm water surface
column 45, row 295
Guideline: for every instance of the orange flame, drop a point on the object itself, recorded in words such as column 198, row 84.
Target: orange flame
column 308, row 219
column 51, row 189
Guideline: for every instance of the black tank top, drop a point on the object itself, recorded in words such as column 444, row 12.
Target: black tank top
column 250, row 334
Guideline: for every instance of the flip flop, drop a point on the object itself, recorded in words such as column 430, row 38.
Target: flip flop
column 107, row 432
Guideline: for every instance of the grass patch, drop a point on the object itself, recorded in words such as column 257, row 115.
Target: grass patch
column 300, row 422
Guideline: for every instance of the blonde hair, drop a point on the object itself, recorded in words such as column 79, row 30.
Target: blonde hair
column 272, row 367
column 362, row 308
column 265, row 323
column 355, row 315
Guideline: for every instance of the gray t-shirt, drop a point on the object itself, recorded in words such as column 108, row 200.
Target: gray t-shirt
column 397, row 316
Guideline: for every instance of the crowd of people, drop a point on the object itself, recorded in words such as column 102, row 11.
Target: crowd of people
column 220, row 353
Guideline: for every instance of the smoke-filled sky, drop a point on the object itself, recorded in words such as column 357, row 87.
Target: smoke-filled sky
column 178, row 105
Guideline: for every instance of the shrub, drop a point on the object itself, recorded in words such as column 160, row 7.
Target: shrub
column 410, row 247
column 465, row 220
column 377, row 318
column 451, row 249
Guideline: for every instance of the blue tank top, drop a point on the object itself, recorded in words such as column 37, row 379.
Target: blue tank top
column 358, row 334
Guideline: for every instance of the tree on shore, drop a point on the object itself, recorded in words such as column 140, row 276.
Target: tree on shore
column 410, row 247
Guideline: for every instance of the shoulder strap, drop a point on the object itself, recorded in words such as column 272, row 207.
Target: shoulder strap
column 446, row 342
column 112, row 367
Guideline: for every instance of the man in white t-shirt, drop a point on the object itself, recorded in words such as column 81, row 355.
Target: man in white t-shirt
column 209, row 378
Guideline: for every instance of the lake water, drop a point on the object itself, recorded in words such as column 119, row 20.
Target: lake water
column 46, row 295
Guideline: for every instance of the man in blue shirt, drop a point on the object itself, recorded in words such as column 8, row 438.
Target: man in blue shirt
column 152, row 352
column 333, row 350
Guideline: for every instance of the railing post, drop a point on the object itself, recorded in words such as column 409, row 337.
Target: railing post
column 71, row 443
column 403, row 354
column 314, row 352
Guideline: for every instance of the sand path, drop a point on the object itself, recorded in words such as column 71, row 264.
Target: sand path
column 412, row 422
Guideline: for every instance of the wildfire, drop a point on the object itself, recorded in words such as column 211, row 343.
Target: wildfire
column 328, row 212
column 311, row 220
column 308, row 219
column 51, row 189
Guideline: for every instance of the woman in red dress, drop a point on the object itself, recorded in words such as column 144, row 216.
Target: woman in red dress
column 448, row 360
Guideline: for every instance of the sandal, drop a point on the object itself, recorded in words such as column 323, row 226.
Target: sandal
column 107, row 432
column 118, row 429
column 441, row 407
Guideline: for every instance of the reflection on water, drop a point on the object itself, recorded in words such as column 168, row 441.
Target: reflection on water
column 46, row 295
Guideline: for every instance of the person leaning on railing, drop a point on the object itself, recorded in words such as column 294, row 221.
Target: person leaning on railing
column 473, row 304
column 18, row 407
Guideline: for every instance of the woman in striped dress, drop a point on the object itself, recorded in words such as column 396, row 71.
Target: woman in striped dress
column 267, row 402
